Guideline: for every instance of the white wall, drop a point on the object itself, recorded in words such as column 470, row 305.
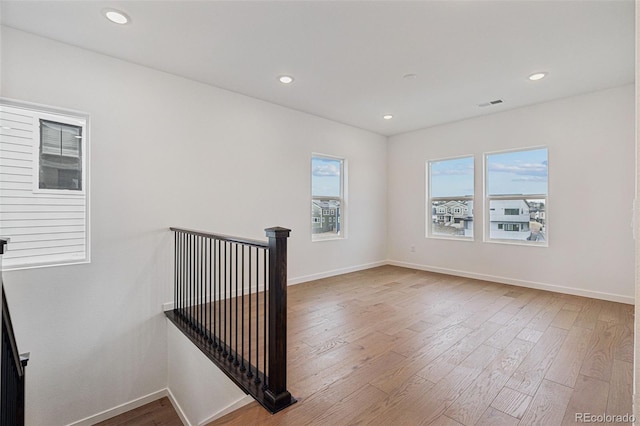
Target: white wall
column 200, row 391
column 166, row 151
column 591, row 190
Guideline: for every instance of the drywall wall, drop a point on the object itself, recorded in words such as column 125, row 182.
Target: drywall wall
column 591, row 189
column 165, row 151
column 200, row 392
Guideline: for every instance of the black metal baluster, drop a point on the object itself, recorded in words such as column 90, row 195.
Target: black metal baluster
column 209, row 281
column 189, row 279
column 224, row 302
column 242, row 367
column 185, row 271
column 264, row 318
column 196, row 305
column 182, row 273
column 219, row 296
column 201, row 305
column 236, row 362
column 175, row 270
column 215, row 294
column 181, row 287
column 257, row 379
column 176, row 300
column 183, row 255
column 193, row 282
column 249, row 373
column 230, row 275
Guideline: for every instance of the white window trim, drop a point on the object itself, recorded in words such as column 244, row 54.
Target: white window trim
column 38, row 115
column 344, row 179
column 428, row 201
column 486, row 198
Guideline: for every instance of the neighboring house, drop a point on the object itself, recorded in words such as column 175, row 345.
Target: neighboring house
column 537, row 212
column 325, row 216
column 452, row 211
column 509, row 219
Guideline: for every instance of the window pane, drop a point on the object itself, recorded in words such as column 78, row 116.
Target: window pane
column 326, row 177
column 452, row 218
column 529, row 224
column 325, row 217
column 450, row 187
column 60, row 156
column 327, row 183
column 451, row 178
column 518, row 173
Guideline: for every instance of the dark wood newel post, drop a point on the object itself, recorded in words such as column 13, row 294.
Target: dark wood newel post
column 277, row 395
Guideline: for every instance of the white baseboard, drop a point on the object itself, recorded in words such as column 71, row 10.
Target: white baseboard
column 327, row 274
column 178, row 408
column 520, row 283
column 120, row 409
column 228, row 409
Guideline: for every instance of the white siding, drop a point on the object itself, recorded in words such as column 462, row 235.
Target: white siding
column 45, row 227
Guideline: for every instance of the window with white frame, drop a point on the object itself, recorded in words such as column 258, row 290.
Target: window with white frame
column 43, row 185
column 327, row 196
column 450, row 188
column 516, row 188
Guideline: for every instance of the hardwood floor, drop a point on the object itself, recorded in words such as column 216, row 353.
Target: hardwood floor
column 156, row 413
column 394, row 346
column 397, row 346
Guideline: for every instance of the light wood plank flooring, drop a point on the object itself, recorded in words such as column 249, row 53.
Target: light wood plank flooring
column 394, row 346
column 397, row 346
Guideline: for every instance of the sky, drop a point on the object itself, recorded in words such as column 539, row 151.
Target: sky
column 325, row 177
column 522, row 172
column 508, row 173
column 452, row 178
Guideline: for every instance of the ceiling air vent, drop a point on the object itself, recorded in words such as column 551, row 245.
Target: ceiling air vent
column 496, row 102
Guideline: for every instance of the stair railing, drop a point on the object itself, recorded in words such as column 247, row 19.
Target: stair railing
column 12, row 367
column 230, row 299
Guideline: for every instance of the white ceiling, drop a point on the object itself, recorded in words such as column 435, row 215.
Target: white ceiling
column 348, row 57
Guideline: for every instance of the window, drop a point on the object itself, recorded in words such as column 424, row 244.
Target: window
column 450, row 187
column 516, row 188
column 43, row 185
column 60, row 156
column 327, row 196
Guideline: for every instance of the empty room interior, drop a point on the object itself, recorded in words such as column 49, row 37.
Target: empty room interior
column 453, row 183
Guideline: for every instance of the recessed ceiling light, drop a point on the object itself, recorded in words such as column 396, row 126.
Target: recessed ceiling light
column 387, row 116
column 285, row 79
column 537, row 76
column 116, row 16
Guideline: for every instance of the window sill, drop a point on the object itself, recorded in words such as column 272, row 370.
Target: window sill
column 442, row 237
column 316, row 239
column 517, row 243
column 7, row 268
